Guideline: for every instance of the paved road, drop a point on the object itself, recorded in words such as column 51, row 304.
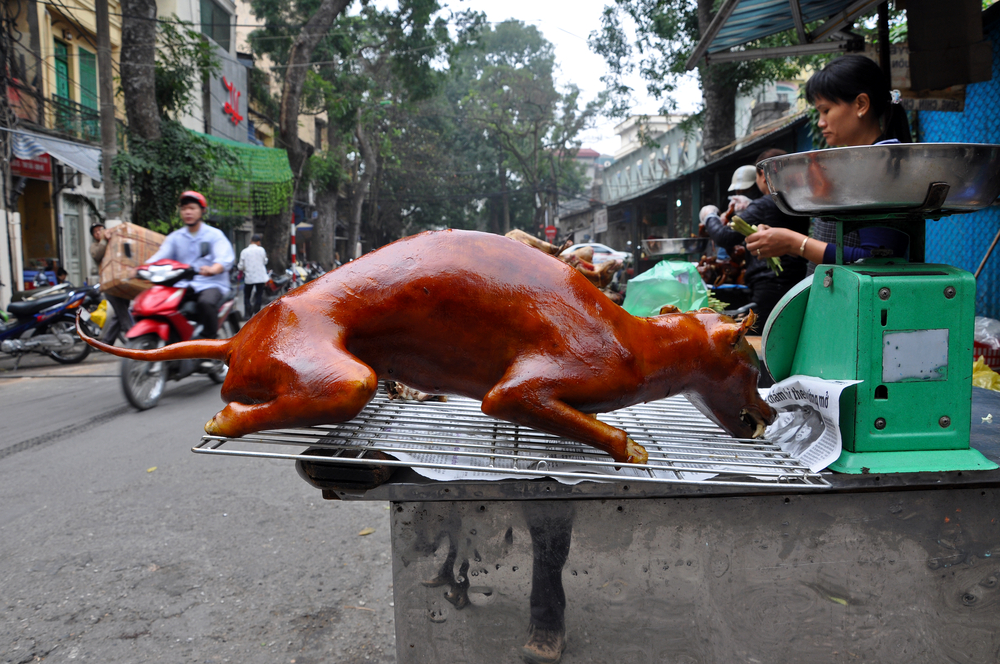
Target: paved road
column 118, row 544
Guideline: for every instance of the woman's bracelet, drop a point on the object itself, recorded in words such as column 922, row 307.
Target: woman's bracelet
column 802, row 247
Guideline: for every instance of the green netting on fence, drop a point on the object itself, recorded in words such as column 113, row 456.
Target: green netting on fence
column 260, row 184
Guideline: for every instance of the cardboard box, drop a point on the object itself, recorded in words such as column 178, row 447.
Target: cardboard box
column 129, row 246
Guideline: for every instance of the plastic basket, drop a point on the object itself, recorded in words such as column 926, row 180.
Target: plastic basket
column 991, row 355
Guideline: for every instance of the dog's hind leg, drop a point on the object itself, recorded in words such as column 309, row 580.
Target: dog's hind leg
column 337, row 395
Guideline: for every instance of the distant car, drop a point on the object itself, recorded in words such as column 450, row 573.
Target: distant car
column 602, row 253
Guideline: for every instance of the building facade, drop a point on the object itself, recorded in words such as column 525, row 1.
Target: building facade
column 52, row 185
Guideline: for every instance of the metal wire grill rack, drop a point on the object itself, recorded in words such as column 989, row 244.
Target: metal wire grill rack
column 455, row 440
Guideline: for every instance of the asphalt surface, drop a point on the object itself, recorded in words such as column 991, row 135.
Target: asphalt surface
column 118, row 544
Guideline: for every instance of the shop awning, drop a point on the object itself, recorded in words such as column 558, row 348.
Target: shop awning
column 741, row 22
column 260, row 183
column 84, row 158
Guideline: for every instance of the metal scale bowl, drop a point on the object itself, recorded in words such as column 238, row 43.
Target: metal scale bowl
column 905, row 329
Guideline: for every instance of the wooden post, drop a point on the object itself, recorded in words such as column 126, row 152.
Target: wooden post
column 109, row 138
column 884, row 51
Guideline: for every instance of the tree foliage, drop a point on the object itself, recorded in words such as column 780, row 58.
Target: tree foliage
column 420, row 135
column 183, row 58
column 157, row 171
column 665, row 34
column 512, row 97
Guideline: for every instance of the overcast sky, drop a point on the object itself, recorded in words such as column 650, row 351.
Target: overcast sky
column 567, row 26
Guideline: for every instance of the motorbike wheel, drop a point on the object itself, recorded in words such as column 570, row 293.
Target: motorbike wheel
column 227, row 330
column 79, row 351
column 143, row 382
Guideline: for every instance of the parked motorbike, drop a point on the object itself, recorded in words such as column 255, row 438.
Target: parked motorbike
column 279, row 284
column 162, row 317
column 313, row 271
column 46, row 325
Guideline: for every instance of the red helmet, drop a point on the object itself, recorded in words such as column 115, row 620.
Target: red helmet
column 196, row 197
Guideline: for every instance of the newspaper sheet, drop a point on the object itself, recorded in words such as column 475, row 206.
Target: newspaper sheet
column 561, row 460
column 464, row 444
column 808, row 422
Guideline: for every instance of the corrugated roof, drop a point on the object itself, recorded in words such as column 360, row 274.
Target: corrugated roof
column 740, row 22
column 756, row 19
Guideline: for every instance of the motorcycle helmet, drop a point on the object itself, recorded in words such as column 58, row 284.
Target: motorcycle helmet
column 193, row 197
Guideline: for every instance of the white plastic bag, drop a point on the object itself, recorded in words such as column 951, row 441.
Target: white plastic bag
column 987, row 332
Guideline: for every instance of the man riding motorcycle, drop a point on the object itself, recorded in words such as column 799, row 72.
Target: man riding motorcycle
column 208, row 251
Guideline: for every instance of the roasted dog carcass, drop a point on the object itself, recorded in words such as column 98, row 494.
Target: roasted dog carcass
column 481, row 316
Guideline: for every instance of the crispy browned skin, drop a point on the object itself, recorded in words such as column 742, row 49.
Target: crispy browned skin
column 482, row 316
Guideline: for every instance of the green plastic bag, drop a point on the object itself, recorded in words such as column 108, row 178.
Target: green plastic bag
column 668, row 282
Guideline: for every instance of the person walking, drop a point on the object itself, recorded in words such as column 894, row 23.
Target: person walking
column 252, row 262
column 118, row 325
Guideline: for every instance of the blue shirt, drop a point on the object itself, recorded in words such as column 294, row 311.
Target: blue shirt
column 206, row 247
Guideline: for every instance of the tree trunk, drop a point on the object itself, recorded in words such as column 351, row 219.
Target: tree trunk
column 325, row 228
column 277, row 234
column 109, row 129
column 718, row 94
column 33, row 76
column 360, row 189
column 138, row 73
column 374, row 218
column 504, row 201
column 541, row 204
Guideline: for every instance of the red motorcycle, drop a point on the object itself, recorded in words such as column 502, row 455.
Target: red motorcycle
column 162, row 316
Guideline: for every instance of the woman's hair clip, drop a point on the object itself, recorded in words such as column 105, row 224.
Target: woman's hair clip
column 894, row 96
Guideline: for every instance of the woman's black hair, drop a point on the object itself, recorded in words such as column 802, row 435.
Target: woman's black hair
column 843, row 79
column 767, row 154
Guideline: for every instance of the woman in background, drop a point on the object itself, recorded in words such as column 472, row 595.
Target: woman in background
column 855, row 107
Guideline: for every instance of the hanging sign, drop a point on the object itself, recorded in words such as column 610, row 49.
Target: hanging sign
column 232, row 107
column 39, row 168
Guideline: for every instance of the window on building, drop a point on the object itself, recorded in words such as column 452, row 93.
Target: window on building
column 88, row 78
column 215, row 23
column 62, row 70
column 90, row 126
column 320, row 128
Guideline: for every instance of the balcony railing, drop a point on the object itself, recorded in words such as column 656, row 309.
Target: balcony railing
column 76, row 119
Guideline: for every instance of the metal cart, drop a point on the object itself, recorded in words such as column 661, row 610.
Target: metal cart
column 765, row 563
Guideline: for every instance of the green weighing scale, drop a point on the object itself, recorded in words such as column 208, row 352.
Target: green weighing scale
column 902, row 328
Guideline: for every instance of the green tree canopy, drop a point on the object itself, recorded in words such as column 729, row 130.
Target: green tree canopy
column 655, row 38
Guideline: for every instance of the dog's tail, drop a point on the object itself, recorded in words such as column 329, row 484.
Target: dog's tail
column 203, row 349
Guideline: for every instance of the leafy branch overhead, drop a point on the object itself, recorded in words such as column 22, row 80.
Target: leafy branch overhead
column 183, row 58
column 162, row 158
column 159, row 170
column 654, row 39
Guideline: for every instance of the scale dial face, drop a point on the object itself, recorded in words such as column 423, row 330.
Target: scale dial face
column 781, row 333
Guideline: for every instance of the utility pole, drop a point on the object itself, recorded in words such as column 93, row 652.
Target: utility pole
column 109, row 138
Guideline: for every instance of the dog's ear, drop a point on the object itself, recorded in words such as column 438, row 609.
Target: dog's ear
column 745, row 326
column 737, row 331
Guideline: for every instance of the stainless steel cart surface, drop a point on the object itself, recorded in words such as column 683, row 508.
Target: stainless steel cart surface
column 764, row 562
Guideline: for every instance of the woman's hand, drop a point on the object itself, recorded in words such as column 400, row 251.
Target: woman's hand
column 769, row 242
